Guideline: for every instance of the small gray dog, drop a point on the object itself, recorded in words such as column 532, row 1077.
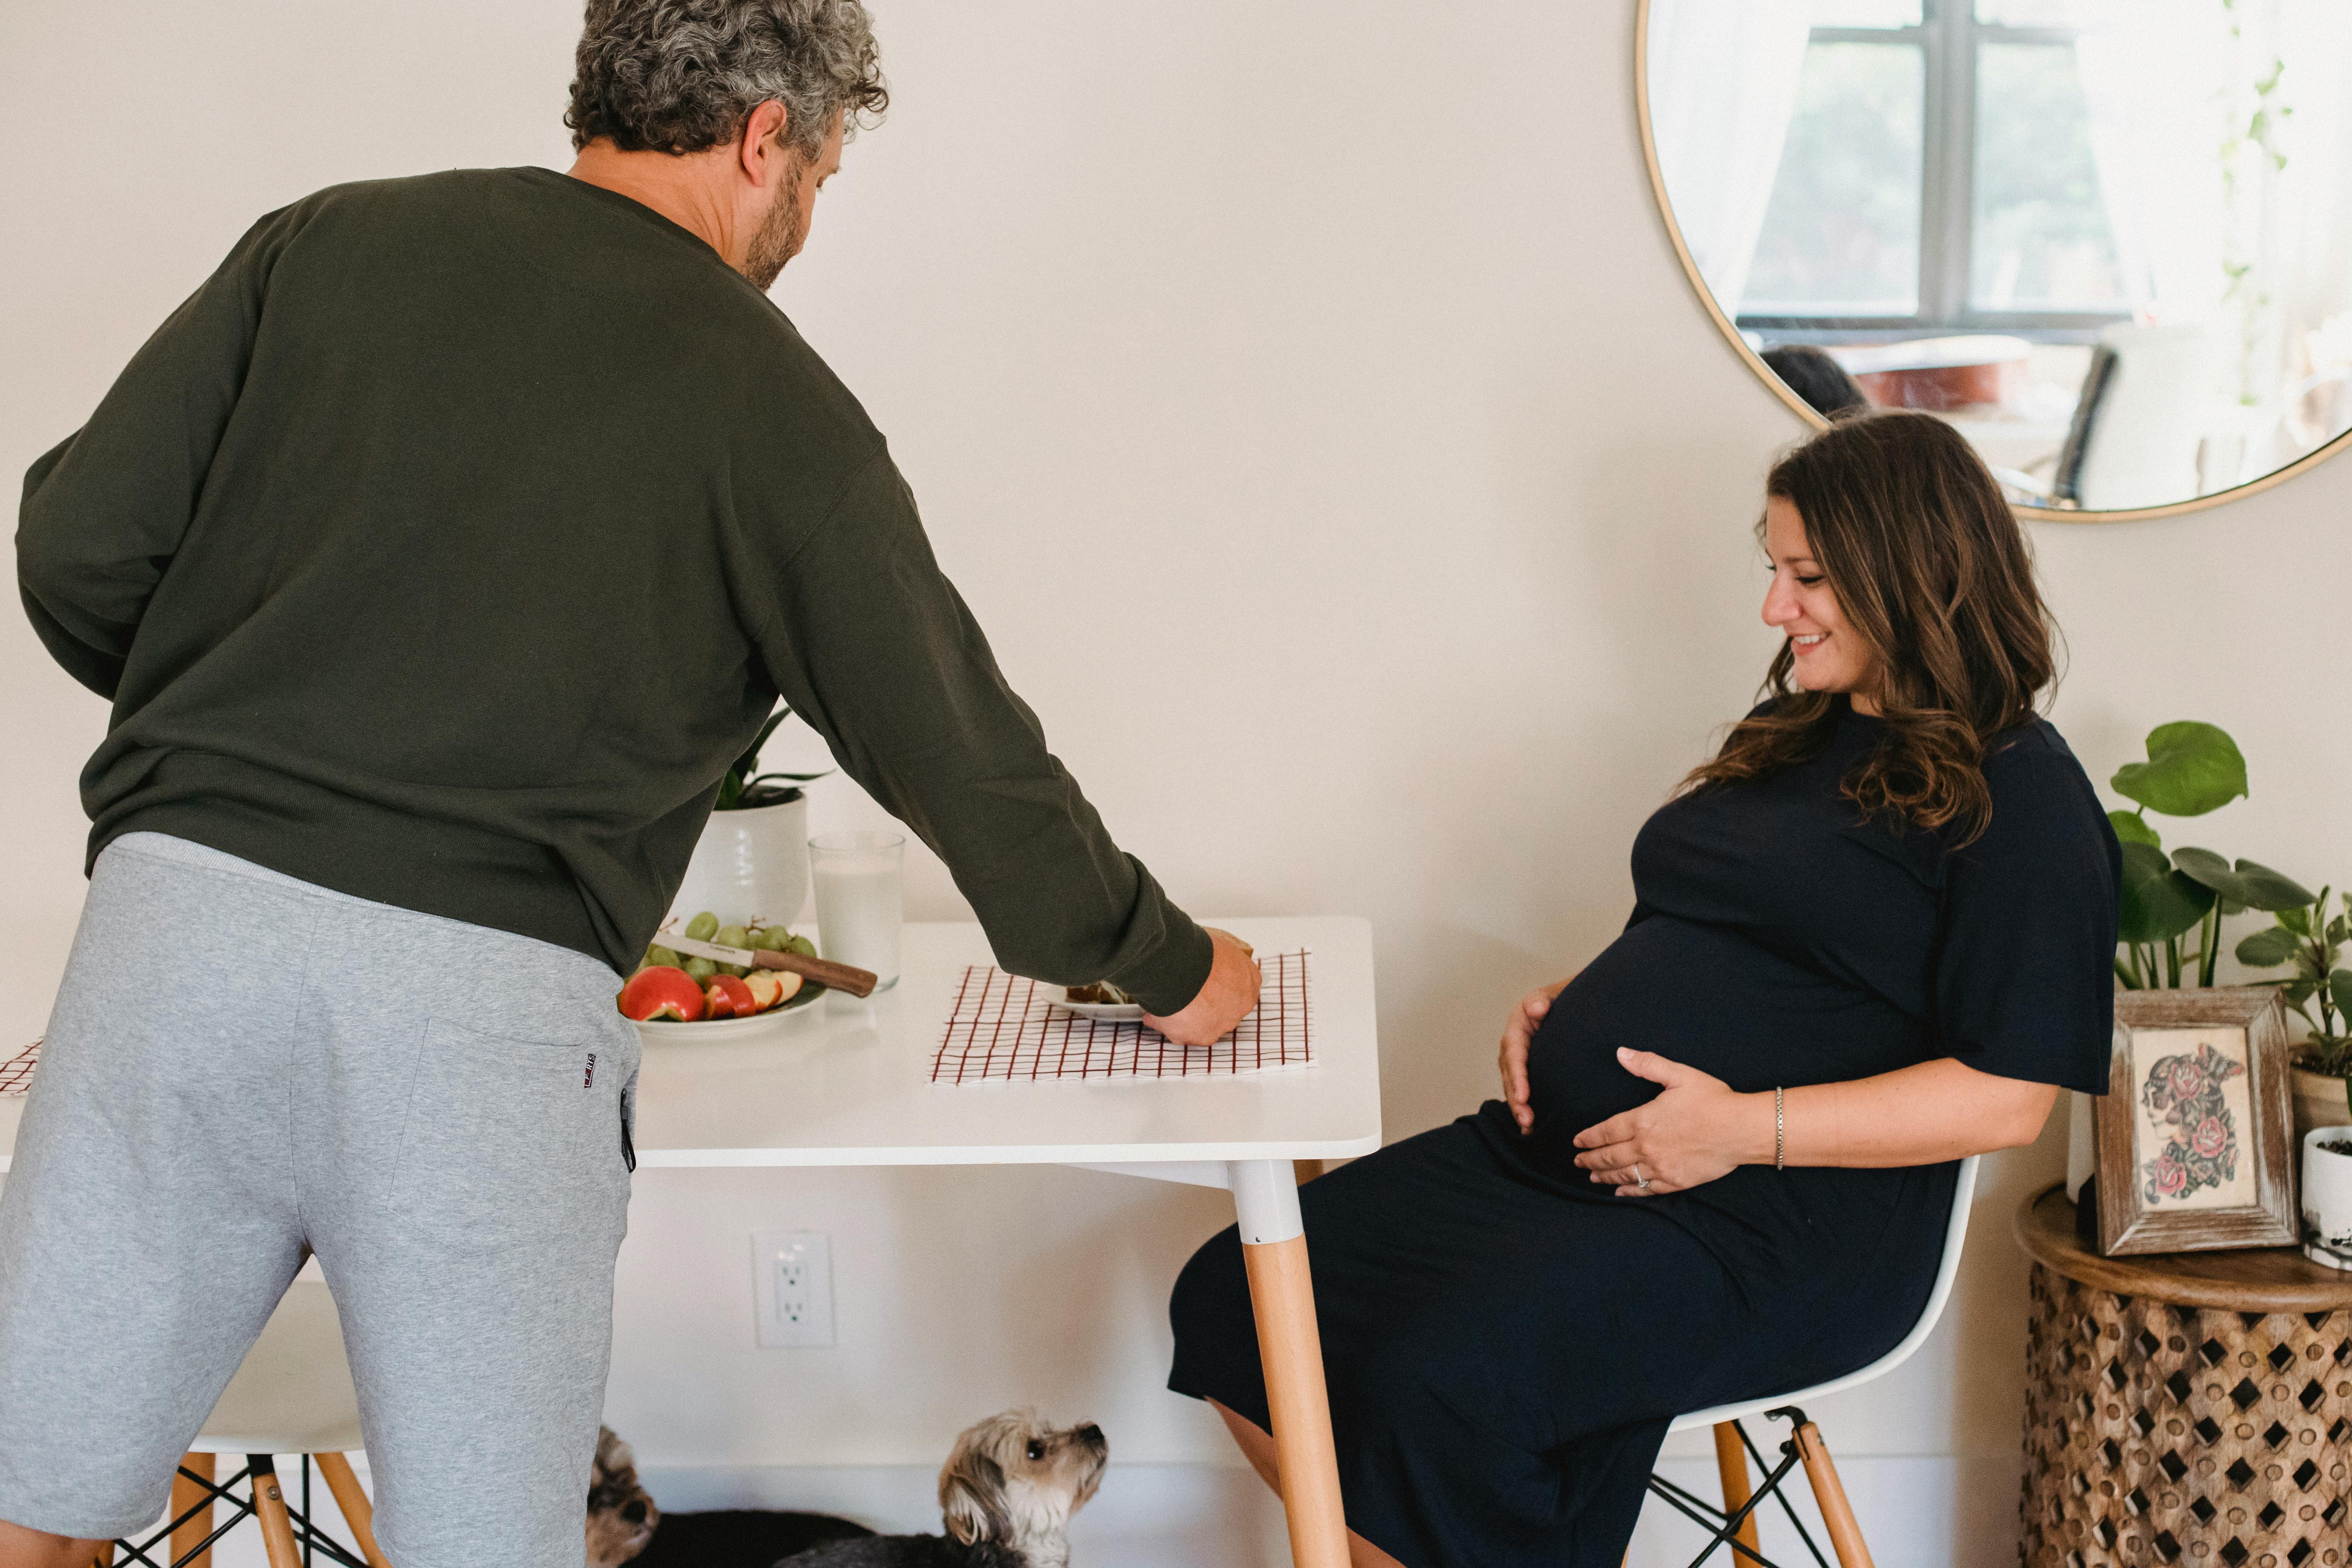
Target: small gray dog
column 1007, row 1491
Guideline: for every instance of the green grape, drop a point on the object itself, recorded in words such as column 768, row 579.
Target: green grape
column 702, row 927
column 700, row 968
column 659, row 955
column 801, row 945
column 733, row 936
column 771, row 940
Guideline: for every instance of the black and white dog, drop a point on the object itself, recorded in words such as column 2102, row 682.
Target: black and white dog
column 1007, row 1490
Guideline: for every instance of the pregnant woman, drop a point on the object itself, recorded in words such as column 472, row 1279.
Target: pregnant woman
column 1870, row 936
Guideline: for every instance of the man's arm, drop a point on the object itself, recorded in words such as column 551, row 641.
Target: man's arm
column 104, row 510
column 872, row 644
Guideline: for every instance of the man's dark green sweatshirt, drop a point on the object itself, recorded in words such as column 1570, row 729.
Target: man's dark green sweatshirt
column 451, row 542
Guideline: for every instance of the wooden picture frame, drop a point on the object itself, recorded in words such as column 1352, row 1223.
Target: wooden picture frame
column 2196, row 1132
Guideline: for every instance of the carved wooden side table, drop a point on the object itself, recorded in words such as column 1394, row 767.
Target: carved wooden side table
column 2189, row 1407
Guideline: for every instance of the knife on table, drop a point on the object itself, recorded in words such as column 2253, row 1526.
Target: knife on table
column 832, row 976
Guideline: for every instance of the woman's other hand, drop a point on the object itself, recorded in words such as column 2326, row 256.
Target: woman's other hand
column 1698, row 1129
column 1518, row 1031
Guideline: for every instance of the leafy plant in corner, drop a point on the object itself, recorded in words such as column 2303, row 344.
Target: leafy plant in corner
column 2314, row 943
column 2191, row 768
column 745, row 786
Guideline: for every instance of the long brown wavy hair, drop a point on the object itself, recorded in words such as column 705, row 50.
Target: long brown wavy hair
column 1934, row 576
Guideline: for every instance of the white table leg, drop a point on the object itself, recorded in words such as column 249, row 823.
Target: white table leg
column 1273, row 1249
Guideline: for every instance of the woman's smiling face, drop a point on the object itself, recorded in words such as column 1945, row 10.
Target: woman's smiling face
column 1829, row 655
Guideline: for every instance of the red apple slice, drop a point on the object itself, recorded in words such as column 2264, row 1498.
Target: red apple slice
column 728, row 997
column 773, row 987
column 660, row 991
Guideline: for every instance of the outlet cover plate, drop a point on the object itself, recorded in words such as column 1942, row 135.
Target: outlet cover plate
column 791, row 1289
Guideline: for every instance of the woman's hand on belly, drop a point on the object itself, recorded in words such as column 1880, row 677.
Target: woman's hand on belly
column 1518, row 1030
column 1698, row 1129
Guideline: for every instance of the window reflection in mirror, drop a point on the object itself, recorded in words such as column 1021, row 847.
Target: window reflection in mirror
column 2111, row 239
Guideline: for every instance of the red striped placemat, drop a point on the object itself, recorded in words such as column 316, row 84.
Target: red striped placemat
column 16, row 1072
column 1005, row 1030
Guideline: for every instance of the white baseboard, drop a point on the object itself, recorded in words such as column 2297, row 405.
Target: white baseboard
column 1916, row 1512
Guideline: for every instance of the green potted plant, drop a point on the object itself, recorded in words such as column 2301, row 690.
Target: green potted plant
column 2191, row 768
column 752, row 861
column 2313, row 943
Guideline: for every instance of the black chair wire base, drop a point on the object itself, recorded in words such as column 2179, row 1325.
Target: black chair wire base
column 1726, row 1526
column 311, row 1538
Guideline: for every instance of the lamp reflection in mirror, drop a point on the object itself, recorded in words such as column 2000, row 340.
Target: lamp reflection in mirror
column 2110, row 240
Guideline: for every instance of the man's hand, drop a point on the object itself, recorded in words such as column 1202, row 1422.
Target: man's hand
column 1225, row 998
column 1517, row 1032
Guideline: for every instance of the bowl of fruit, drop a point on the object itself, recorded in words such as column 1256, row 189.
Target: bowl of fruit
column 675, row 997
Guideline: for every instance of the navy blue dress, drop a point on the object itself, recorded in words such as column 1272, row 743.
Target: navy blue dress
column 1504, row 1341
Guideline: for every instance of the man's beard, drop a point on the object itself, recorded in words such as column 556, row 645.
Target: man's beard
column 780, row 233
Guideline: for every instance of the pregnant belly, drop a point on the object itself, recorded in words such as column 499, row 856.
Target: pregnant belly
column 1708, row 998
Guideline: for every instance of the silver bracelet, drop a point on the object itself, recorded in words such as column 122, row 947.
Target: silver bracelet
column 1780, row 1132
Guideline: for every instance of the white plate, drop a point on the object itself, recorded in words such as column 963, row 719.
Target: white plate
column 1059, row 997
column 662, row 1031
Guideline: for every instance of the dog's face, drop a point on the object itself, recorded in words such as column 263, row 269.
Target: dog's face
column 621, row 1517
column 1015, row 1481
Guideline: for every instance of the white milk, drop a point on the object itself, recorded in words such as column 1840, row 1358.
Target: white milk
column 859, row 908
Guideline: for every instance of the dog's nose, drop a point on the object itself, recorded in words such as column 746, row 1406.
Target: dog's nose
column 1090, row 1434
column 633, row 1511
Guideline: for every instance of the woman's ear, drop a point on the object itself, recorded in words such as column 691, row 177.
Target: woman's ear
column 971, row 1496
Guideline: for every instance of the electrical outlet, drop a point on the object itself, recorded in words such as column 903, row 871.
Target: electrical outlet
column 791, row 1288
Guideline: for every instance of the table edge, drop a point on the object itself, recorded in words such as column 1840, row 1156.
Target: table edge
column 1012, row 1155
column 2129, row 1275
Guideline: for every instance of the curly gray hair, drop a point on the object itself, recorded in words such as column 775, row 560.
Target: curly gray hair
column 682, row 75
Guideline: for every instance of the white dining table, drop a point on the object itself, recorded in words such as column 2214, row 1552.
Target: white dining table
column 849, row 1084
column 846, row 1082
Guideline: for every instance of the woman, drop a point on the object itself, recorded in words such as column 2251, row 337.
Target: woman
column 1871, row 936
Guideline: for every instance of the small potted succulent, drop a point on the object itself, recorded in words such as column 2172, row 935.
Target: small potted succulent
column 752, row 861
column 2327, row 1199
column 2314, row 943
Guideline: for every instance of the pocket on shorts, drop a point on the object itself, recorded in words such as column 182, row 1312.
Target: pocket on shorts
column 506, row 1137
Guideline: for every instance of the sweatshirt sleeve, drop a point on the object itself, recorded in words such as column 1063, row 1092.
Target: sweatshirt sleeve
column 104, row 511
column 875, row 648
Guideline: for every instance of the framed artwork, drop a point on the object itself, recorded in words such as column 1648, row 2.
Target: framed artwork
column 2196, row 1132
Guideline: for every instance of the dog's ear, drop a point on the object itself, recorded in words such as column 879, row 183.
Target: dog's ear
column 613, row 1459
column 971, row 1496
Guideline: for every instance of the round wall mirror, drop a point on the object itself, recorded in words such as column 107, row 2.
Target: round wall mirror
column 2110, row 241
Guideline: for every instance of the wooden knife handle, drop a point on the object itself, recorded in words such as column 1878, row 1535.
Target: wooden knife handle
column 832, row 976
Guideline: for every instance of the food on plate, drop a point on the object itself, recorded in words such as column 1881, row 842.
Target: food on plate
column 728, row 997
column 670, row 988
column 772, row 987
column 662, row 991
column 1102, row 993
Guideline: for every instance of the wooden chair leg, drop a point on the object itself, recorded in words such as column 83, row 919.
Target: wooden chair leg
column 185, row 1495
column 270, row 1512
column 1845, row 1535
column 1732, row 1464
column 357, row 1511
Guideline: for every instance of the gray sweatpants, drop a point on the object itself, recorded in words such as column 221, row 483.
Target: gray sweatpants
column 241, row 1065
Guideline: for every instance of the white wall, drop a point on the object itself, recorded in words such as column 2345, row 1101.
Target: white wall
column 1307, row 401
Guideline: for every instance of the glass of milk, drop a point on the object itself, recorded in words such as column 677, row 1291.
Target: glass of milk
column 859, row 902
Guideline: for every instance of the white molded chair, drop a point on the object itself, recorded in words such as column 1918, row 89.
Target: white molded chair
column 1734, row 1524
column 292, row 1394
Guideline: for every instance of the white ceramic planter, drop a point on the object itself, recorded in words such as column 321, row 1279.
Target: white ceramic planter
column 749, row 864
column 2319, row 1102
column 2328, row 1198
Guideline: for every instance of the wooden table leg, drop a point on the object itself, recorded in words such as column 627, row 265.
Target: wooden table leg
column 185, row 1495
column 1282, row 1296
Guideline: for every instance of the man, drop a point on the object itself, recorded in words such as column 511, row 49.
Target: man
column 437, row 556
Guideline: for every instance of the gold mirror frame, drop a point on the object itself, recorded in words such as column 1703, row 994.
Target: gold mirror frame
column 1804, row 410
